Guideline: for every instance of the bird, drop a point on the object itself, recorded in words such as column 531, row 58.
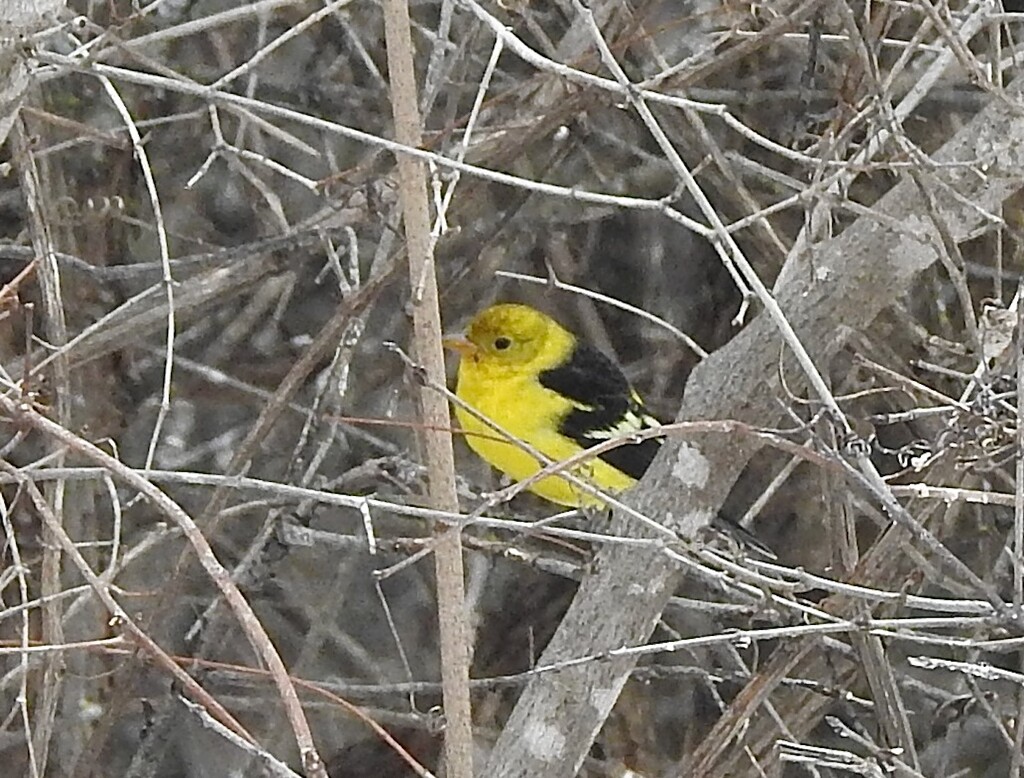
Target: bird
column 536, row 380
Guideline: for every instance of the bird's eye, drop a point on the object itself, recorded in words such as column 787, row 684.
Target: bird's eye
column 502, row 343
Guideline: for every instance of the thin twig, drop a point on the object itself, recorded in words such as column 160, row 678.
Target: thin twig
column 247, row 618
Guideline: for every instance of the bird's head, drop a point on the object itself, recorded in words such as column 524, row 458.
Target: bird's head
column 512, row 335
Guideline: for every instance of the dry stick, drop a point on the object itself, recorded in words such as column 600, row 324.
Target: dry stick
column 23, row 666
column 326, row 340
column 861, row 272
column 37, row 204
column 143, row 313
column 320, row 690
column 270, row 765
column 486, row 174
column 1017, row 544
column 219, row 280
column 782, row 579
column 871, row 281
column 139, row 149
column 451, row 606
column 23, row 413
column 119, row 617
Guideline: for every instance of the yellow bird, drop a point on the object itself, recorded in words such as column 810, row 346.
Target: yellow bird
column 533, row 378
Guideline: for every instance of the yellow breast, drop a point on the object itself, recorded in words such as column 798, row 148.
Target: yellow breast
column 532, row 413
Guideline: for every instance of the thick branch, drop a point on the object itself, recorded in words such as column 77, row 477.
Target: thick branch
column 843, row 286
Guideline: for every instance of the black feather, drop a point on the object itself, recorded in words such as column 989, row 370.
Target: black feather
column 606, row 406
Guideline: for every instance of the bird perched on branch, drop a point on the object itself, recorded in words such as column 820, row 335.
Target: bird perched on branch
column 534, row 379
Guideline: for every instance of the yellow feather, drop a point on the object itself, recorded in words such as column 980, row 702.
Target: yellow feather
column 505, row 350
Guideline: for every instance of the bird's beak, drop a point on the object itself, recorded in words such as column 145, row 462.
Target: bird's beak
column 460, row 344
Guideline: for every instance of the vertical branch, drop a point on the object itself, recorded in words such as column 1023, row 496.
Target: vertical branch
column 433, row 408
column 1017, row 544
column 1018, row 507
column 56, row 332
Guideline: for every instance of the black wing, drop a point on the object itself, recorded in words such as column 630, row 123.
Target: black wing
column 606, row 407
